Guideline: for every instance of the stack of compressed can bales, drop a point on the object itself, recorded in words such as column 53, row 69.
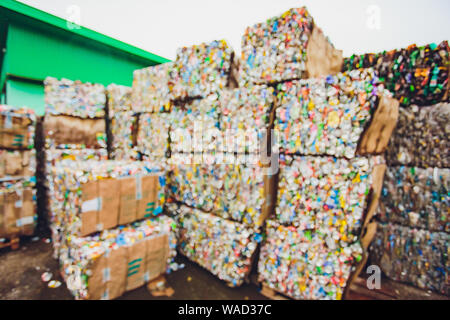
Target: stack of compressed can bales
column 326, row 129
column 106, row 226
column 412, row 241
column 17, row 173
column 111, row 236
column 121, row 123
column 329, row 182
column 411, row 244
column 73, row 127
column 218, row 190
column 152, row 101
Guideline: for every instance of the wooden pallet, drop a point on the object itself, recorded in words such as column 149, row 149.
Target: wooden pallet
column 391, row 290
column 272, row 294
column 13, row 243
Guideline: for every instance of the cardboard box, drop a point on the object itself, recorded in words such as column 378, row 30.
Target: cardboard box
column 157, row 253
column 89, row 207
column 136, row 265
column 109, row 193
column 17, row 163
column 28, row 213
column 148, row 197
column 128, row 203
column 62, row 129
column 127, row 268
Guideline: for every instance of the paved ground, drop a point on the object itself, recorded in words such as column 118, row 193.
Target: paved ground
column 20, row 278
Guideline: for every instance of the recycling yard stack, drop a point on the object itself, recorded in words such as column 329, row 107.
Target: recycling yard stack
column 152, row 102
column 217, row 194
column 273, row 162
column 73, row 128
column 107, row 228
column 327, row 128
column 411, row 244
column 112, row 237
column 18, row 214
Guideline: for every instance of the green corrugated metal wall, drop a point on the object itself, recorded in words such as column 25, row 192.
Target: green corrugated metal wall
column 35, row 50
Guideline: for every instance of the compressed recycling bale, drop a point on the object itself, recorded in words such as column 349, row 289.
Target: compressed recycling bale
column 102, row 266
column 246, row 118
column 74, row 98
column 17, row 127
column 53, row 157
column 195, row 126
column 119, row 99
column 150, row 90
column 153, row 135
column 229, row 186
column 201, row 69
column 414, row 75
column 122, row 123
column 415, row 256
column 416, row 197
column 61, row 131
column 223, row 247
column 124, row 135
column 287, row 47
column 421, row 137
column 92, row 196
column 344, row 115
column 326, row 194
column 301, row 264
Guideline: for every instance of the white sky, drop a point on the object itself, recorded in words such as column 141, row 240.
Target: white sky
column 161, row 26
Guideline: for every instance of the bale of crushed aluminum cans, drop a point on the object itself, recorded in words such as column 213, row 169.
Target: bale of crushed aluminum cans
column 201, row 69
column 17, row 127
column 119, row 99
column 195, row 126
column 74, row 98
column 235, row 188
column 153, row 135
column 287, row 47
column 416, row 197
column 421, row 137
column 415, row 256
column 325, row 194
column 75, row 114
column 150, row 90
column 48, row 192
column 54, row 156
column 93, row 196
column 18, row 214
column 414, row 75
column 299, row 263
column 246, row 118
column 344, row 115
column 107, row 265
column 123, row 127
column 223, row 247
column 62, row 131
column 122, row 123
